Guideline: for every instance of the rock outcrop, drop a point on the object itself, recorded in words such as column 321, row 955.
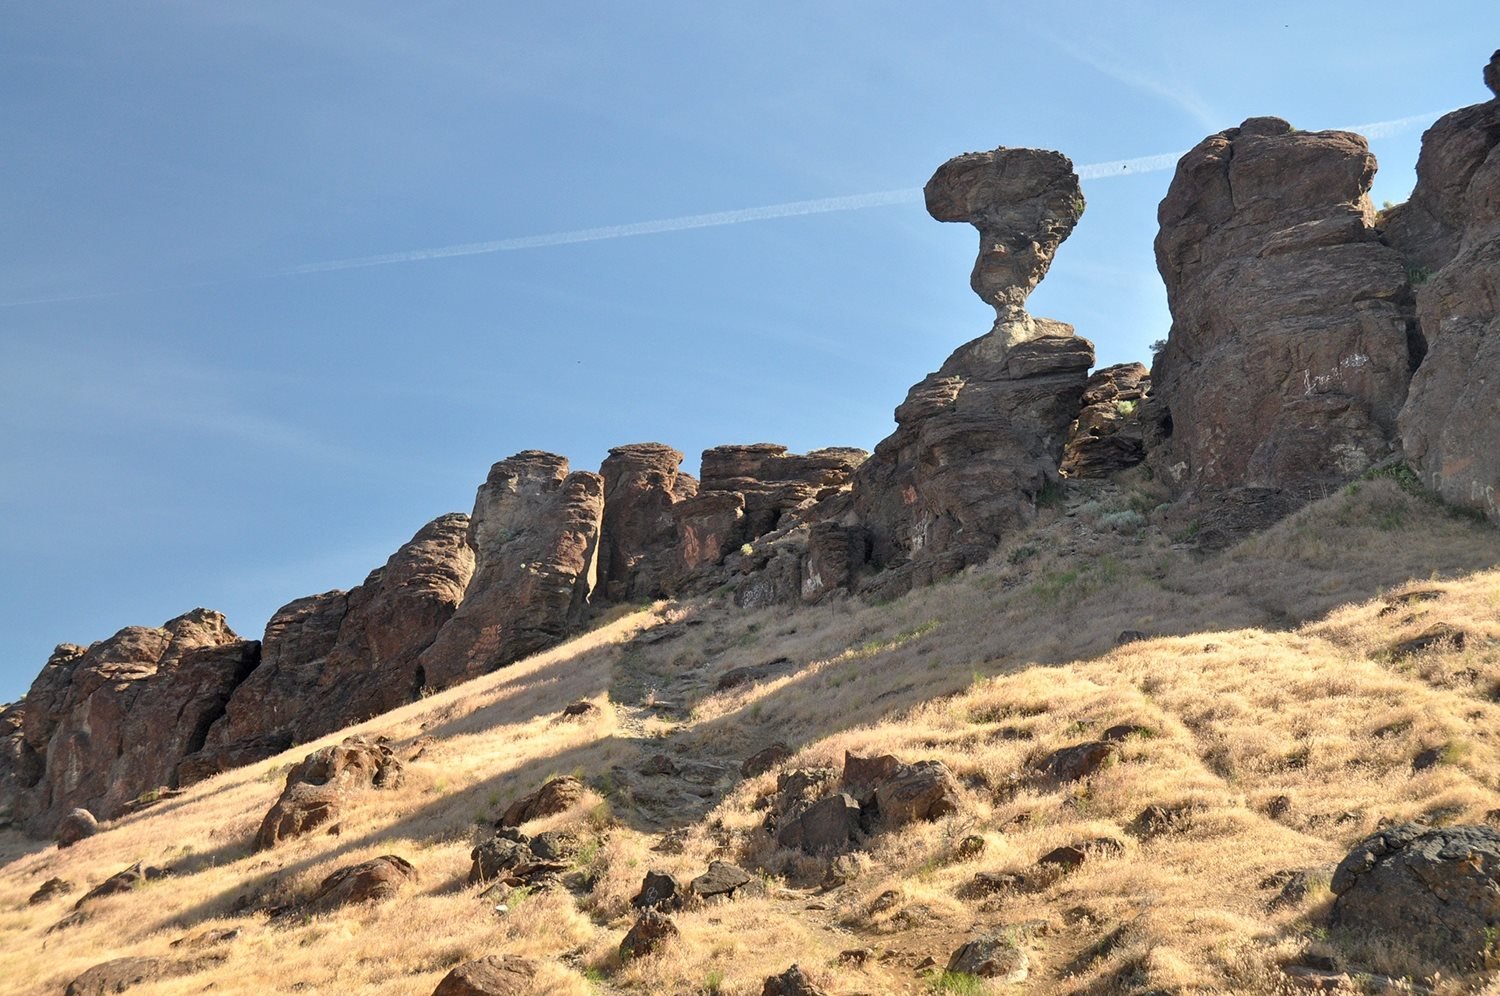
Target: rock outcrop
column 1110, row 433
column 1288, row 358
column 535, row 533
column 102, row 725
column 978, row 440
column 1449, row 232
column 638, row 539
column 1435, row 890
column 338, row 658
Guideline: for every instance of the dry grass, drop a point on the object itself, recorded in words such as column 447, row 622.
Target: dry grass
column 1281, row 727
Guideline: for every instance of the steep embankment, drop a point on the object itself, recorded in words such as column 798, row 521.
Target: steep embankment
column 1268, row 723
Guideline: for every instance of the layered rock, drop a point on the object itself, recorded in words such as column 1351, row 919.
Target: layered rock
column 1110, row 434
column 535, row 534
column 978, row 440
column 338, row 658
column 638, row 538
column 102, row 725
column 1450, row 233
column 1288, row 357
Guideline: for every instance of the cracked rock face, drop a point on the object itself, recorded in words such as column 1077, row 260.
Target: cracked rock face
column 638, row 539
column 535, row 533
column 1434, row 891
column 1450, row 233
column 979, row 439
column 1288, row 360
column 340, row 657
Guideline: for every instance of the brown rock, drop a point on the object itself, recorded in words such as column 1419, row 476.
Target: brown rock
column 369, row 881
column 765, row 759
column 490, row 976
column 638, row 539
column 125, row 880
column 978, row 440
column 509, row 858
column 1437, row 634
column 1078, row 761
column 1288, row 358
column 341, row 657
column 826, row 827
column 580, row 709
column 750, row 674
column 49, row 889
column 1109, row 435
column 1449, row 232
column 76, row 826
column 721, row 880
column 901, row 793
column 992, row 957
column 125, row 973
column 658, row 891
column 552, row 798
column 984, row 883
column 649, row 934
column 102, row 725
column 709, row 525
column 534, row 532
column 318, row 788
column 792, row 982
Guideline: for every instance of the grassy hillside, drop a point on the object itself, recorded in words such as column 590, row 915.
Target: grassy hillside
column 1276, row 727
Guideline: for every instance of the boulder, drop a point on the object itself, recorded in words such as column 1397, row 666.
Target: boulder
column 1449, row 232
column 76, row 826
column 318, row 788
column 1078, row 761
column 1288, row 357
column 103, row 724
column 721, row 880
column 1435, row 890
column 658, row 891
column 513, row 859
column 490, row 976
column 978, row 440
column 992, row 957
column 49, row 889
column 901, row 793
column 557, row 795
column 338, row 658
column 120, row 974
column 792, row 982
column 535, row 532
column 765, row 759
column 125, row 880
column 369, row 881
column 828, row 826
column 638, row 537
column 1109, row 435
column 650, row 932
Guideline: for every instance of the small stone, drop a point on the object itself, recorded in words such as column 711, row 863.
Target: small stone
column 992, row 957
column 369, row 881
column 1079, row 761
column 1432, row 636
column 48, row 889
column 985, row 883
column 1123, row 732
column 1131, row 636
column 971, row 846
column 580, row 709
column 765, row 759
column 552, row 798
column 659, row 764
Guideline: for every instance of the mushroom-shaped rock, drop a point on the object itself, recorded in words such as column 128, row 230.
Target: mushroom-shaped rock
column 369, row 881
column 1436, row 890
column 490, row 976
column 552, row 798
column 318, row 788
column 1024, row 202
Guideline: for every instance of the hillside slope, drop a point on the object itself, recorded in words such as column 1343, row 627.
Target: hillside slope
column 1268, row 721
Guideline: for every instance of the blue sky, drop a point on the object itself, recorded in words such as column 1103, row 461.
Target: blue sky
column 188, row 417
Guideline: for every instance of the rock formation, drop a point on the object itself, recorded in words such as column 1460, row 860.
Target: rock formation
column 337, row 658
column 104, row 724
column 638, row 539
column 1109, row 434
column 979, row 439
column 317, row 789
column 1288, row 357
column 535, row 533
column 1449, row 232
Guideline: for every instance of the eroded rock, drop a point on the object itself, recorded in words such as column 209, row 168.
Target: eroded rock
column 367, row 882
column 638, row 541
column 650, row 932
column 320, row 786
column 1110, row 434
column 552, row 798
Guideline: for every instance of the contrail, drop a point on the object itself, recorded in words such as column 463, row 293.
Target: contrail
column 683, row 223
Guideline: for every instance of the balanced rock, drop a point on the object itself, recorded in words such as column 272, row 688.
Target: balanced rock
column 1449, row 232
column 1288, row 356
column 534, row 531
column 100, row 725
column 369, row 881
column 341, row 657
column 638, row 538
column 978, row 440
column 319, row 787
column 1435, row 890
column 490, row 976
